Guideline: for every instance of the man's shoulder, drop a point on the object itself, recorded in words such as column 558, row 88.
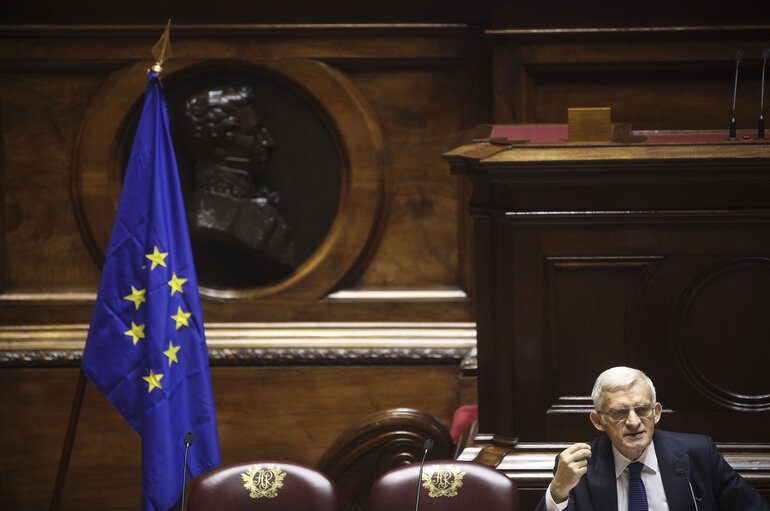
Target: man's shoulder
column 675, row 435
column 684, row 439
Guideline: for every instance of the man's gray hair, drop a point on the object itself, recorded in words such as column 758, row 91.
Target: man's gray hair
column 615, row 378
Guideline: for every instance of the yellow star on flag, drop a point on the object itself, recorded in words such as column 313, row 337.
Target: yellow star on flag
column 136, row 296
column 181, row 317
column 171, row 353
column 136, row 332
column 157, row 258
column 154, row 380
column 176, row 284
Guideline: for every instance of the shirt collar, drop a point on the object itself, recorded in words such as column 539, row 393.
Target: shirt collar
column 648, row 458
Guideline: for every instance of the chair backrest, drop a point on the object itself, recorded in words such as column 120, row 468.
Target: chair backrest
column 446, row 485
column 262, row 485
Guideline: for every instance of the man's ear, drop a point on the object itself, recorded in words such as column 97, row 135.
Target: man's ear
column 658, row 410
column 596, row 420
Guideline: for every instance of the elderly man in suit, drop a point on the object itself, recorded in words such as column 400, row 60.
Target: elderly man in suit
column 634, row 467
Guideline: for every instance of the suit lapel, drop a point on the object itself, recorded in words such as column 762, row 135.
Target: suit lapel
column 671, row 459
column 602, row 484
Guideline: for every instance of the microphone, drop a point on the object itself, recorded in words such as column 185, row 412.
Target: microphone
column 738, row 57
column 681, row 473
column 188, row 439
column 426, row 447
column 761, row 128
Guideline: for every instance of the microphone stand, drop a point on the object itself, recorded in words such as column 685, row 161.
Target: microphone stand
column 738, row 57
column 681, row 474
column 188, row 440
column 426, row 447
column 761, row 127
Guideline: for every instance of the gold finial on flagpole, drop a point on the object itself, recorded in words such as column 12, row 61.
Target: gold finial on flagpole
column 162, row 49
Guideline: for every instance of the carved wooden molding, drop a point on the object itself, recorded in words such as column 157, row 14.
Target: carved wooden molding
column 266, row 344
column 554, row 165
column 231, row 29
column 378, row 443
column 96, row 178
column 637, row 32
column 716, row 284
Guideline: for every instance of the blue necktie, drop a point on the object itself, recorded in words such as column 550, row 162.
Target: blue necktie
column 637, row 497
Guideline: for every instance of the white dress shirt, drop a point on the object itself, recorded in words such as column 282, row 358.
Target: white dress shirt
column 653, row 484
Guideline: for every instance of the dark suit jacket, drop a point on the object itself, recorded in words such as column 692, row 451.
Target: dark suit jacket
column 715, row 484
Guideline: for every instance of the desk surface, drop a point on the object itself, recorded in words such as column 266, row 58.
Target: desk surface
column 545, row 144
column 559, row 134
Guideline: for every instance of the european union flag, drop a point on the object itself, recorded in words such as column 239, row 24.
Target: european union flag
column 146, row 348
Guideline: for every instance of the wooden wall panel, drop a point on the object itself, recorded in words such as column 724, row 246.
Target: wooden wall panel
column 587, row 297
column 41, row 119
column 35, row 408
column 259, row 11
column 654, row 77
column 636, row 308
column 292, row 413
column 605, row 13
column 407, row 103
column 431, row 73
column 400, row 83
column 293, row 365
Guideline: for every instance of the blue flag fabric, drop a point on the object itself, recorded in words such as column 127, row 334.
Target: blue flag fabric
column 146, row 347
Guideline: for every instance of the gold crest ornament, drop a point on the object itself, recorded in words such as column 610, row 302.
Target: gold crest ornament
column 442, row 480
column 263, row 482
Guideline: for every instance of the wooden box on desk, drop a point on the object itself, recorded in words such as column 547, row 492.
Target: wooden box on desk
column 589, row 124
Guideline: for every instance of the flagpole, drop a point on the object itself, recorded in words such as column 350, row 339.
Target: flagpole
column 69, row 440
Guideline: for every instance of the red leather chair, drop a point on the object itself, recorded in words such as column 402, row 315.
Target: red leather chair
column 262, row 485
column 446, row 485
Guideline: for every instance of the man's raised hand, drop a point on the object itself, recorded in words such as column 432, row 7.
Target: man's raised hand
column 572, row 465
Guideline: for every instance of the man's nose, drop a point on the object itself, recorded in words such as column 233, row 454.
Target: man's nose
column 633, row 418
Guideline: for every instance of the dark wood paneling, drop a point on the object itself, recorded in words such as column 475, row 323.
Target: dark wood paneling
column 383, row 93
column 587, row 260
column 654, row 77
column 586, row 299
column 292, row 413
column 378, row 443
column 505, row 13
column 418, row 84
column 261, row 11
column 390, row 96
column 41, row 116
column 606, row 13
column 36, row 405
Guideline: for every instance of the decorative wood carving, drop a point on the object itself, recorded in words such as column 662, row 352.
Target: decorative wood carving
column 98, row 166
column 270, row 344
column 377, row 444
column 73, row 91
column 735, row 289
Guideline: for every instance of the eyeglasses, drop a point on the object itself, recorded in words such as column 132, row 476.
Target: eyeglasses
column 621, row 414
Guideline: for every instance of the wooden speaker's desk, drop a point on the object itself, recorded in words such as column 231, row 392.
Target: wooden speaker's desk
column 652, row 253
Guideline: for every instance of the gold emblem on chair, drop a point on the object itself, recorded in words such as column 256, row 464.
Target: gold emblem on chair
column 442, row 480
column 263, row 482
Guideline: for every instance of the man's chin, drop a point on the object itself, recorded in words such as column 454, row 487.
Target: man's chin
column 635, row 445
